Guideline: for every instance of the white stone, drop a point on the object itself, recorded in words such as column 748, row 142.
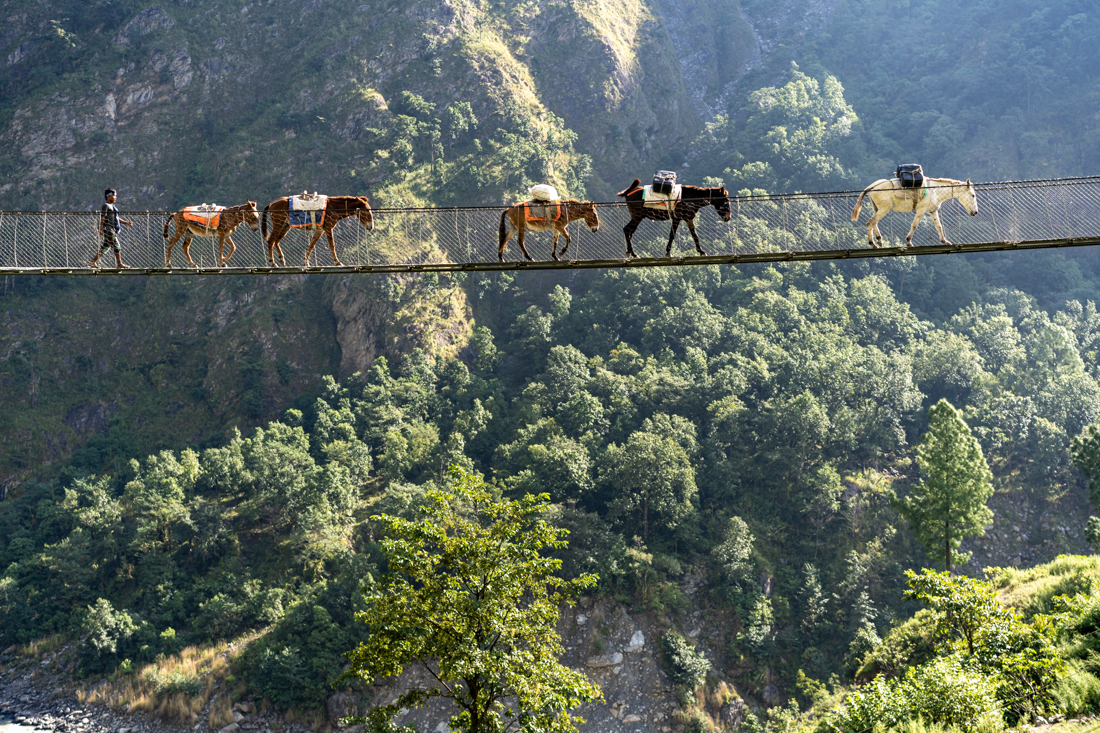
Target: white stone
column 231, row 728
column 605, row 660
column 632, row 719
column 637, row 642
column 692, row 634
column 581, row 619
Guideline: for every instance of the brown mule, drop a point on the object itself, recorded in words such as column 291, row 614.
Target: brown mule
column 692, row 200
column 518, row 219
column 337, row 208
column 229, row 219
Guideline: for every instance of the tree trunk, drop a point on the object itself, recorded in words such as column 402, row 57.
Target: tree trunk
column 645, row 520
column 947, row 543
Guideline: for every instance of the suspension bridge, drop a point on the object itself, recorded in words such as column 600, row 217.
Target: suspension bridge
column 1013, row 215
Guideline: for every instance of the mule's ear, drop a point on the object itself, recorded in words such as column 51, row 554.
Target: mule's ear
column 252, row 204
column 968, row 181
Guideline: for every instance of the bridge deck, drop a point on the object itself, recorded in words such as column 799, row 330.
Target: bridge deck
column 1012, row 215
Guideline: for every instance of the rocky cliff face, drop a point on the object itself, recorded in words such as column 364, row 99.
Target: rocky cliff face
column 214, row 99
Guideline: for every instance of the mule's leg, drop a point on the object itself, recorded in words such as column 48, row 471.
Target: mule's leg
column 187, row 239
column 274, row 246
column 519, row 238
column 232, row 249
column 312, row 243
column 672, row 237
column 913, row 229
column 568, row 241
column 509, row 230
column 873, row 232
column 939, row 225
column 691, row 228
column 332, row 246
column 172, row 243
column 628, row 230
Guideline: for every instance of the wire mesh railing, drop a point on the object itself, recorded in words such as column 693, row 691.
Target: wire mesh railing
column 1014, row 214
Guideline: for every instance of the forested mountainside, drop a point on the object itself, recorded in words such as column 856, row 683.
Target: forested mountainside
column 189, row 461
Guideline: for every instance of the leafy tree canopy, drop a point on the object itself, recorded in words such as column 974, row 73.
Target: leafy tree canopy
column 471, row 597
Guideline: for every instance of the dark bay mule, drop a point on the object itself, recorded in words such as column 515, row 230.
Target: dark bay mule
column 517, row 219
column 692, row 200
column 337, row 208
column 229, row 219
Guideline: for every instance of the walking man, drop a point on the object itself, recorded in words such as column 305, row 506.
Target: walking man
column 109, row 227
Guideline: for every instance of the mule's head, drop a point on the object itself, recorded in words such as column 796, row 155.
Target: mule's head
column 721, row 199
column 366, row 216
column 251, row 217
column 591, row 218
column 969, row 199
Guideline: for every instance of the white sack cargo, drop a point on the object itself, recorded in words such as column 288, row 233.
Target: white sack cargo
column 544, row 192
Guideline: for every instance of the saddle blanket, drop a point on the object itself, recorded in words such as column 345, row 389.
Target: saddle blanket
column 542, row 210
column 207, row 215
column 307, row 211
column 665, row 202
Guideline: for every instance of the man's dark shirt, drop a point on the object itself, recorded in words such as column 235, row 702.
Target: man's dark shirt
column 109, row 218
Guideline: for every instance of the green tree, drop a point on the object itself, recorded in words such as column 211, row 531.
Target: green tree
column 654, row 474
column 472, row 598
column 949, row 502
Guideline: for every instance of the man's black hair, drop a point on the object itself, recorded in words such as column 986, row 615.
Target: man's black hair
column 110, row 192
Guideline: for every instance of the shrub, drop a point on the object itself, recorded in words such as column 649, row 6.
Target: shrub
column 1077, row 691
column 105, row 632
column 167, row 684
column 282, row 677
column 942, row 691
column 686, row 666
column 220, row 617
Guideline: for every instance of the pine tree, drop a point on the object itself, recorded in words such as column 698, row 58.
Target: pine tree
column 949, row 502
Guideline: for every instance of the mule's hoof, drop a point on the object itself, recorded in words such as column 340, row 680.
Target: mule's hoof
column 701, row 252
column 556, row 258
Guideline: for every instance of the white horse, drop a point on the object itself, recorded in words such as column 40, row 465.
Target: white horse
column 886, row 196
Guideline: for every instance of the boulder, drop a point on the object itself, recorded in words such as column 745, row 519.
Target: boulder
column 604, row 660
column 340, row 706
column 770, row 694
column 732, row 714
column 637, row 642
column 231, row 728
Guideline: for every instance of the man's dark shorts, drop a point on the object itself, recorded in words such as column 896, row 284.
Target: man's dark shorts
column 110, row 241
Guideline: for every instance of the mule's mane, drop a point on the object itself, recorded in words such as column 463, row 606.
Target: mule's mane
column 951, row 181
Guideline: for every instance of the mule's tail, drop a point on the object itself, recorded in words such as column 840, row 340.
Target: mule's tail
column 263, row 223
column 632, row 187
column 503, row 228
column 166, row 223
column 859, row 204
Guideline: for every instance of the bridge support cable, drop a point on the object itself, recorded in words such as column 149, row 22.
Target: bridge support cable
column 796, row 227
